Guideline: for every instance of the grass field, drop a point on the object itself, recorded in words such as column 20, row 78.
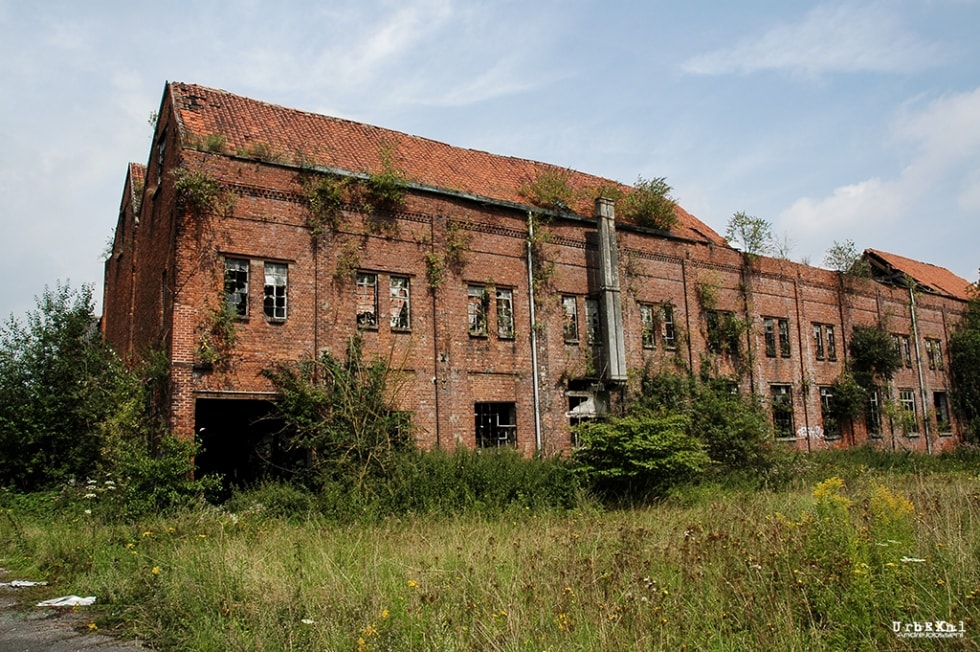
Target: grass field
column 835, row 561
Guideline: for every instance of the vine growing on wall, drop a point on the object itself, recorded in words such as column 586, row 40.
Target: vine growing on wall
column 218, row 334
column 325, row 197
column 201, row 194
column 874, row 357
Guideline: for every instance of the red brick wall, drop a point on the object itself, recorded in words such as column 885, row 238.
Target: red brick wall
column 177, row 281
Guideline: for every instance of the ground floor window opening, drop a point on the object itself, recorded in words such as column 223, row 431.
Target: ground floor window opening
column 496, row 424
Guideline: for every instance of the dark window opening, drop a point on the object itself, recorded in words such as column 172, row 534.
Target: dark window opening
column 831, row 427
column 495, row 424
column 872, row 414
column 236, row 286
column 241, row 441
column 940, row 402
column 782, row 411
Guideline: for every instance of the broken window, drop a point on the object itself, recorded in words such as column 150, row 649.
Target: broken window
column 941, row 403
column 495, row 424
column 274, row 302
column 723, row 331
column 872, row 414
column 818, row 348
column 569, row 327
column 647, row 326
column 400, row 310
column 824, row 342
column 593, row 337
column 934, row 354
column 477, row 308
column 782, row 411
column 831, row 428
column 236, row 286
column 769, row 325
column 367, row 300
column 903, row 346
column 783, row 325
column 910, row 422
column 505, row 313
column 667, row 333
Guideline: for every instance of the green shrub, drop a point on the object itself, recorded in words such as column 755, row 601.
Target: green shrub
column 639, row 456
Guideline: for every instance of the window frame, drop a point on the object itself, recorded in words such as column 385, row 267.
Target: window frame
column 363, row 298
column 487, row 425
column 275, row 304
column 831, row 426
column 400, row 303
column 506, row 329
column 668, row 330
column 781, row 408
column 769, row 332
column 477, row 310
column 235, row 286
column 648, row 324
column 569, row 328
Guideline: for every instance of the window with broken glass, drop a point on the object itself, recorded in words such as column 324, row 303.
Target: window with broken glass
column 505, row 313
column 236, row 286
column 782, row 411
column 366, row 289
column 400, row 310
column 872, row 414
column 934, row 354
column 569, row 326
column 910, row 422
column 478, row 305
column 648, row 326
column 668, row 334
column 274, row 302
column 495, row 424
column 831, row 427
column 818, row 348
column 769, row 327
column 593, row 336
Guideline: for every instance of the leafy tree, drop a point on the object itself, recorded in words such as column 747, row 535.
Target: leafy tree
column 964, row 366
column 58, row 384
column 343, row 414
column 650, row 204
column 844, row 257
column 874, row 357
column 752, row 234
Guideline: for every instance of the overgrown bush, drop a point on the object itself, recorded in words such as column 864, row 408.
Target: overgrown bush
column 638, row 456
column 650, row 204
column 343, row 413
column 734, row 428
column 874, row 357
column 964, row 368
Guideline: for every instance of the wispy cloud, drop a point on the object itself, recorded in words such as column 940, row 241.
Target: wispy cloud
column 830, row 38
column 940, row 177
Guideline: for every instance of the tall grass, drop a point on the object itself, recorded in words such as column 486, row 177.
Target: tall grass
column 823, row 565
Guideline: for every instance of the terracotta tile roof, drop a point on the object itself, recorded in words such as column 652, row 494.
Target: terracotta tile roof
column 930, row 278
column 249, row 125
column 137, row 173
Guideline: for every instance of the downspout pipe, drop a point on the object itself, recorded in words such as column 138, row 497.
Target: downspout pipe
column 918, row 368
column 535, row 397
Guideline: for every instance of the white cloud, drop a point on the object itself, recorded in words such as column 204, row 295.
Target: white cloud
column 830, row 38
column 909, row 212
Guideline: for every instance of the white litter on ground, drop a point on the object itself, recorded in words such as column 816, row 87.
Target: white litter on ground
column 20, row 584
column 68, row 601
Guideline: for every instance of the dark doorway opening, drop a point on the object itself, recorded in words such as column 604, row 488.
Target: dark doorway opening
column 240, row 440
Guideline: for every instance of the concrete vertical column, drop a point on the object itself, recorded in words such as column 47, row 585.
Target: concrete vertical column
column 610, row 305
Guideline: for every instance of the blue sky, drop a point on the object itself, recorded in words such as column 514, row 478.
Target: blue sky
column 832, row 120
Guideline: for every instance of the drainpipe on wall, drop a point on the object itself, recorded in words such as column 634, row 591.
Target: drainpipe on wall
column 534, row 333
column 918, row 368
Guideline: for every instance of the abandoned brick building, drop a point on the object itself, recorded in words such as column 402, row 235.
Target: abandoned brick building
column 511, row 318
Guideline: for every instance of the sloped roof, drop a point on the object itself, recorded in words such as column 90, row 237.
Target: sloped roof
column 931, row 278
column 292, row 135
